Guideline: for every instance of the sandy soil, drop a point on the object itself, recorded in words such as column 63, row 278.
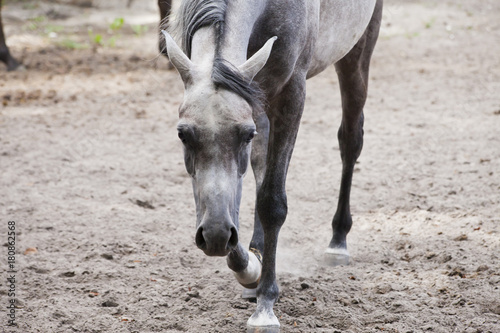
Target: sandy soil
column 92, row 173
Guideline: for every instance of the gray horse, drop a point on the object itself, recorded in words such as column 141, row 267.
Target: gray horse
column 244, row 65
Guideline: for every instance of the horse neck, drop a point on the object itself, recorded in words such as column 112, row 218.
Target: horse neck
column 240, row 20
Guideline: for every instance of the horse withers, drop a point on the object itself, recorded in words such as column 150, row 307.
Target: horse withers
column 244, row 65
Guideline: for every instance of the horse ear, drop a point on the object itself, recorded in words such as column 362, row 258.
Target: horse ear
column 180, row 61
column 253, row 65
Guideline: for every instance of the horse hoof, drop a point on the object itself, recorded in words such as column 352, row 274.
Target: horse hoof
column 16, row 68
column 336, row 257
column 249, row 294
column 265, row 329
column 263, row 322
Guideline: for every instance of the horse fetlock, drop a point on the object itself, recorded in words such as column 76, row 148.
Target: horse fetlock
column 339, row 237
column 341, row 224
column 250, row 276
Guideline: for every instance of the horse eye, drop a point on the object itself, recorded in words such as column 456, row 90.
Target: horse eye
column 250, row 136
column 181, row 136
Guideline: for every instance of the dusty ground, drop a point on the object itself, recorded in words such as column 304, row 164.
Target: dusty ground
column 88, row 130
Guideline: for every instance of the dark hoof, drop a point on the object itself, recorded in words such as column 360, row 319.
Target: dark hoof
column 336, row 257
column 18, row 68
column 13, row 65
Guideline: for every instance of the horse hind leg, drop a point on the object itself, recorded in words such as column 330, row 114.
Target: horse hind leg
column 5, row 56
column 352, row 71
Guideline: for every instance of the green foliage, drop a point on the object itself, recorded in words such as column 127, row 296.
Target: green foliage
column 31, row 26
column 114, row 27
column 38, row 19
column 112, row 41
column 35, row 23
column 53, row 28
column 60, row 37
column 72, row 45
column 117, row 24
column 99, row 40
column 430, row 23
column 95, row 39
column 139, row 29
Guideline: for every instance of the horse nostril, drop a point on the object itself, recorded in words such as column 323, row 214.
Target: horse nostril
column 233, row 240
column 199, row 239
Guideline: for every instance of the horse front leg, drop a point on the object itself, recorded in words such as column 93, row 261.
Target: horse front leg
column 284, row 117
column 247, row 265
column 258, row 161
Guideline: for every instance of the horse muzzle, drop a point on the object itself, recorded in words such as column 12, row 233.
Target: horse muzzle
column 216, row 240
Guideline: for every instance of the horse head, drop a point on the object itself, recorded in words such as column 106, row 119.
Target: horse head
column 216, row 127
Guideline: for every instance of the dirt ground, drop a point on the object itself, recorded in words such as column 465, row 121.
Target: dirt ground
column 92, row 174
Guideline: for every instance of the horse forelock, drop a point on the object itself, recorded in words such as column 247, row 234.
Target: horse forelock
column 226, row 76
column 196, row 14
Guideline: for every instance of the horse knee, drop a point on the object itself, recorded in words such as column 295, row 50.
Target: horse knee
column 351, row 142
column 272, row 208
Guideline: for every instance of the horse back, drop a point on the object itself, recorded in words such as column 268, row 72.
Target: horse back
column 312, row 34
